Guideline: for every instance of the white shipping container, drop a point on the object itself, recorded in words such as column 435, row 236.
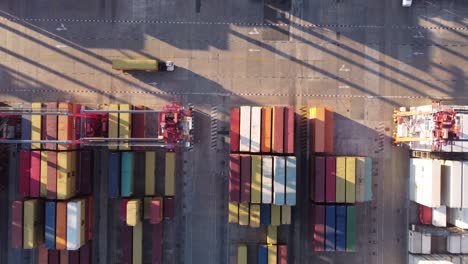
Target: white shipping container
column 414, row 242
column 464, row 259
column 464, row 244
column 456, row 259
column 244, row 128
column 454, row 243
column 291, row 180
column 426, row 243
column 267, row 173
column 451, row 183
column 425, row 181
column 428, row 259
column 439, row 216
column 279, row 164
column 459, row 217
column 465, row 184
column 360, row 179
column 255, row 128
column 74, row 225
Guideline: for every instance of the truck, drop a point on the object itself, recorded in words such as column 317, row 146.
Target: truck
column 149, row 65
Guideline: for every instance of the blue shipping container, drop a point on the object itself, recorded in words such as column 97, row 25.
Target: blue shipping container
column 265, row 214
column 330, row 228
column 262, row 254
column 114, row 174
column 126, row 184
column 341, row 228
column 50, row 225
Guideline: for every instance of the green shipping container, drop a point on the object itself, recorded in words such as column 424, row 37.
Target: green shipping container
column 150, row 173
column 350, row 179
column 169, row 181
column 137, row 245
column 241, row 254
column 256, row 178
column 340, row 179
column 127, row 174
column 351, row 228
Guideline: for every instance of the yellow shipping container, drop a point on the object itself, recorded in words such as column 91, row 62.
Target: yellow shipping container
column 272, row 252
column 36, row 125
column 125, row 125
column 256, row 180
column 133, row 212
column 43, row 173
column 233, row 213
column 32, row 214
column 244, row 214
column 272, row 234
column 169, row 182
column 137, row 247
column 340, row 179
column 146, row 207
column 65, row 177
column 64, row 127
column 317, row 118
column 150, row 173
column 113, row 123
column 254, row 215
column 350, row 179
column 275, row 215
column 285, row 215
column 242, row 254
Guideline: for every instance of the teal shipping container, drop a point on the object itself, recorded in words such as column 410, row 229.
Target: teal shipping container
column 351, row 228
column 126, row 180
column 368, row 179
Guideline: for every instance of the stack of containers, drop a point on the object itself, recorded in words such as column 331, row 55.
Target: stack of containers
column 262, row 179
column 272, row 252
column 336, row 184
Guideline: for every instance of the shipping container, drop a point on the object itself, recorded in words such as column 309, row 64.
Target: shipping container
column 123, row 209
column 114, row 174
column 265, row 141
column 65, row 175
column 113, row 124
column 256, row 179
column 243, row 214
column 465, row 179
column 439, row 216
column 74, row 216
column 52, row 175
column 317, row 128
column 267, row 175
column 340, row 180
column 42, row 255
column 254, row 215
column 146, row 207
column 50, row 217
column 426, row 243
column 360, row 179
column 454, row 243
column 65, row 126
column 291, row 180
column 289, row 129
column 170, row 174
column 262, row 254
column 275, row 215
column 138, row 122
column 279, row 166
column 150, row 173
column 425, row 215
column 330, row 227
column 157, row 245
column 241, row 254
column 458, row 217
column 33, row 221
column 126, row 243
column 89, row 215
column 285, row 215
column 350, row 228
column 451, row 183
column 319, row 227
column 414, row 242
column 330, row 180
column 245, row 114
column 54, row 257
column 350, row 180
column 272, row 235
column 272, row 254
column 282, row 254
column 278, row 129
column 265, row 214
column 64, row 256
column 234, row 213
column 464, row 244
column 329, row 130
column 133, row 212
column 24, row 172
column 317, row 180
column 126, row 180
column 17, row 224
column 255, row 128
column 52, row 126
column 425, row 182
column 234, row 178
column 156, row 210
column 26, row 130
column 125, row 125
column 86, row 169
column 246, row 162
column 61, row 226
column 340, row 228
column 137, row 256
column 168, row 207
column 44, row 167
column 36, row 125
column 235, row 129
column 85, row 253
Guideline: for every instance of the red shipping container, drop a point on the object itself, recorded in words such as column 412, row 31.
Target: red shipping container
column 54, row 257
column 74, row 257
column 246, row 163
column 123, row 209
column 168, row 207
column 282, row 254
column 234, row 178
column 24, row 172
column 64, row 256
column 35, row 180
column 61, row 226
column 127, row 245
column 289, row 129
column 155, row 211
column 235, row 129
column 319, row 180
column 89, row 215
column 85, row 253
column 330, row 184
column 42, row 254
column 425, row 215
column 77, row 124
column 138, row 120
column 329, row 130
column 17, row 224
column 52, row 125
column 158, row 240
column 278, row 129
column 52, row 175
column 265, row 136
column 319, row 228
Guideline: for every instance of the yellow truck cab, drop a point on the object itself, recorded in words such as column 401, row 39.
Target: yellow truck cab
column 142, row 65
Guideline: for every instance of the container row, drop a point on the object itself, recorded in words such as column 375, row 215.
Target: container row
column 436, row 259
column 53, row 256
column 154, row 209
column 131, row 244
column 321, row 127
column 456, row 242
column 340, row 179
column 262, row 129
column 255, row 215
column 444, row 216
column 262, row 179
column 266, row 254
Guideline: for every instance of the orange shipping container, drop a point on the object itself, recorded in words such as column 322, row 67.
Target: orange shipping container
column 65, row 125
column 265, row 145
column 61, row 226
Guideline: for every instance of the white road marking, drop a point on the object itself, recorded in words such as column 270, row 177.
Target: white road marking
column 343, row 86
column 61, row 46
column 254, row 32
column 153, row 83
column 418, row 53
column 253, row 50
column 343, row 68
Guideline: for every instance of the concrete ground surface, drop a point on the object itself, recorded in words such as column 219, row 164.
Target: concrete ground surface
column 361, row 57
